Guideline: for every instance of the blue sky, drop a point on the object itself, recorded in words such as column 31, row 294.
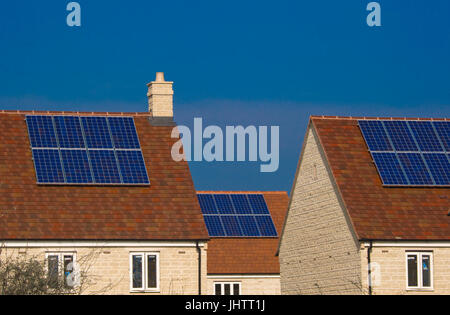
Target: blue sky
column 233, row 62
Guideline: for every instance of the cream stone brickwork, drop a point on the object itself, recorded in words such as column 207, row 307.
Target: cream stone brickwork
column 160, row 97
column 250, row 285
column 318, row 253
column 392, row 269
column 108, row 268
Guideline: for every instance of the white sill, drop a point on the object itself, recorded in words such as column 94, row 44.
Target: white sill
column 420, row 289
column 145, row 291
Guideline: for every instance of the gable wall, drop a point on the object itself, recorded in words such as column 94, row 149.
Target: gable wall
column 318, row 252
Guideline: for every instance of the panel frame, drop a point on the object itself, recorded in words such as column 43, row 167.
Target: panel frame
column 36, row 167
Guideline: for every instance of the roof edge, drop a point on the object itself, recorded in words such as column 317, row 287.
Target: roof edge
column 376, row 118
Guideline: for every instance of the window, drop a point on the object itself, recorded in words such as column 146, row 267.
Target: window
column 419, row 270
column 144, row 272
column 60, row 267
column 227, row 288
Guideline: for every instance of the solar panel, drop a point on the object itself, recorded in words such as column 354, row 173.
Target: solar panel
column 439, row 165
column 231, row 225
column 123, row 133
column 425, row 136
column 417, row 155
column 68, row 130
column 389, row 168
column 207, row 204
column 375, row 135
column 222, row 221
column 84, row 152
column 48, row 166
column 41, row 132
column 132, row 167
column 400, row 135
column 266, row 226
column 415, row 169
column 76, row 166
column 224, row 204
column 97, row 133
column 443, row 129
column 258, row 204
column 104, row 166
column 241, row 204
column 248, row 225
column 214, row 225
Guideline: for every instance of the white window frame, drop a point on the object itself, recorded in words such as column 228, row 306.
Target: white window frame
column 420, row 286
column 222, row 286
column 145, row 287
column 61, row 262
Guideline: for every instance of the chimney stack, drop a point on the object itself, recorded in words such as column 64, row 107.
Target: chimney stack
column 160, row 97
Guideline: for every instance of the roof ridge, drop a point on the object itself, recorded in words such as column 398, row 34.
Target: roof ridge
column 39, row 112
column 376, row 118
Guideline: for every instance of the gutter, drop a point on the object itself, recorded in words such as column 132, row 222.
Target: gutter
column 199, row 250
column 369, row 269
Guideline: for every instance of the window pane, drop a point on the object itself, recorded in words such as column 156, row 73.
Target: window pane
column 137, row 271
column 236, row 290
column 151, row 272
column 218, row 289
column 227, row 289
column 52, row 262
column 68, row 270
column 412, row 271
column 426, row 270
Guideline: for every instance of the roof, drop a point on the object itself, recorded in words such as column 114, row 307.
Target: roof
column 166, row 210
column 377, row 212
column 249, row 255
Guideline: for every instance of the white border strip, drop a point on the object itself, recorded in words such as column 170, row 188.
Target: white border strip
column 242, row 276
column 62, row 244
column 409, row 244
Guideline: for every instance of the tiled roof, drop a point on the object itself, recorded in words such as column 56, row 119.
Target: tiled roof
column 249, row 255
column 166, row 210
column 377, row 212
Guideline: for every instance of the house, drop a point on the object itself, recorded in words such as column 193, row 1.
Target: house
column 369, row 192
column 244, row 229
column 98, row 194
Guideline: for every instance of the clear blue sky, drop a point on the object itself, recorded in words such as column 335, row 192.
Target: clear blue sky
column 233, row 62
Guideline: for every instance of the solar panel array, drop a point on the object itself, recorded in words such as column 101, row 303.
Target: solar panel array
column 237, row 215
column 409, row 153
column 86, row 150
